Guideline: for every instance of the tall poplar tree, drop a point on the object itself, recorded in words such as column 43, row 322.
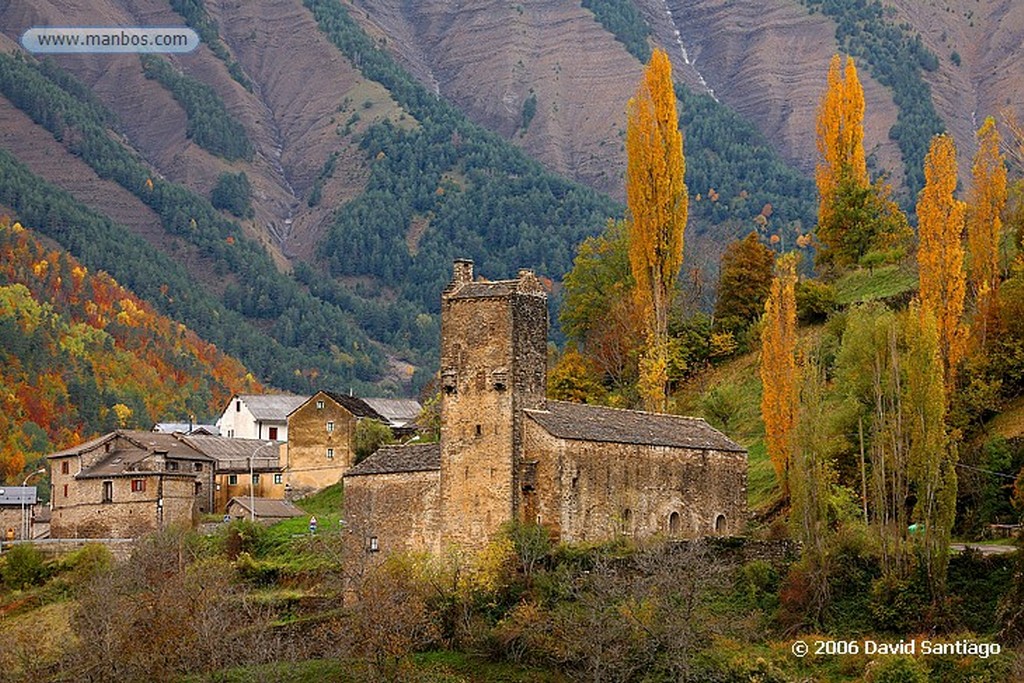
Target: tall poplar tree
column 940, row 254
column 779, row 372
column 657, row 201
column 840, row 129
column 855, row 217
column 984, row 226
column 931, row 458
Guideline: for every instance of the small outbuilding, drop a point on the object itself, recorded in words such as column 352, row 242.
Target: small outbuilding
column 265, row 510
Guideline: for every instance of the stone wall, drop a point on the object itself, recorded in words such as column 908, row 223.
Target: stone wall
column 308, row 468
column 400, row 510
column 476, row 437
column 129, row 514
column 11, row 522
column 120, row 548
column 586, row 491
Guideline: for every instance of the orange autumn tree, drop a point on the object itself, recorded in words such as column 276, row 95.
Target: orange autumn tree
column 840, row 129
column 779, row 372
column 984, row 226
column 657, row 201
column 940, row 254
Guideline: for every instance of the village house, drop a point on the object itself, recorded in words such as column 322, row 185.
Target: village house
column 258, row 416
column 17, row 512
column 322, row 433
column 506, row 453
column 127, row 483
column 400, row 414
column 242, row 467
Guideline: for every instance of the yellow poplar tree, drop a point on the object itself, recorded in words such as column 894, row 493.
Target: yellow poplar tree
column 840, row 129
column 984, row 225
column 657, row 201
column 940, row 254
column 779, row 372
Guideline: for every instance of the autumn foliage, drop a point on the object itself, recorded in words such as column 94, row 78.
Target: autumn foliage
column 80, row 354
column 658, row 204
column 940, row 255
column 840, row 129
column 984, row 225
column 779, row 372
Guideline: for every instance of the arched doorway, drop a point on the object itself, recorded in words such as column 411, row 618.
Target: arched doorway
column 673, row 524
column 720, row 524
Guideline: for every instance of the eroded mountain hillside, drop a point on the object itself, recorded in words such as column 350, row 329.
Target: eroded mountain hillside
column 551, row 78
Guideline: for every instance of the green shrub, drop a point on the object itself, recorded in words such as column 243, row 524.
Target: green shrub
column 369, row 436
column 87, row 563
column 815, row 300
column 256, row 572
column 22, row 566
column 897, row 605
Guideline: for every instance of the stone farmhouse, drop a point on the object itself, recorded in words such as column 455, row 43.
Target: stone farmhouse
column 322, row 433
column 128, row 483
column 507, row 453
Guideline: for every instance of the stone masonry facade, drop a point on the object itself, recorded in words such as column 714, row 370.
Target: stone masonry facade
column 506, row 453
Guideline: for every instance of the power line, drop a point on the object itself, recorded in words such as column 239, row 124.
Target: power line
column 981, row 469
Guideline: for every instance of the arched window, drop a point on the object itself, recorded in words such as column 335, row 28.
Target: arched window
column 673, row 524
column 720, row 524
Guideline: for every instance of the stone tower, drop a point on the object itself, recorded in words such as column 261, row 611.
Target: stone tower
column 493, row 366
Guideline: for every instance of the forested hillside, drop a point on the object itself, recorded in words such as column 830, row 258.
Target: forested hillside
column 334, row 212
column 80, row 355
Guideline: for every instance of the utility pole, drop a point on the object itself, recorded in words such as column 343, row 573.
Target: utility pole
column 26, row 528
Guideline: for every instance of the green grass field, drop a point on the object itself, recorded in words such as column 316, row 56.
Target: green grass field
column 869, row 285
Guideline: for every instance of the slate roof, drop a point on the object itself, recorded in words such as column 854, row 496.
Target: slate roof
column 174, row 445
column 18, row 495
column 130, row 457
column 424, row 457
column 84, row 446
column 234, row 454
column 355, row 405
column 185, row 428
column 578, row 422
column 397, row 412
column 271, row 407
column 268, row 508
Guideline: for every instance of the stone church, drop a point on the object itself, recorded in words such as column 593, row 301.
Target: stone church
column 508, row 453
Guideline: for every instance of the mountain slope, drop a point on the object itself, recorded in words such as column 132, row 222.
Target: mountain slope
column 79, row 354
